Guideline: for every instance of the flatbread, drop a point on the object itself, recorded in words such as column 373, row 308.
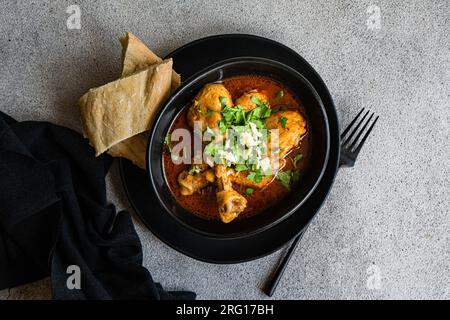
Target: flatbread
column 133, row 149
column 125, row 107
column 137, row 56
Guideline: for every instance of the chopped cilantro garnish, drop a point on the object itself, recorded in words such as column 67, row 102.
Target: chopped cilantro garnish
column 241, row 167
column 280, row 94
column 240, row 117
column 261, row 112
column 244, row 134
column 283, row 122
column 256, row 101
column 234, row 116
column 207, row 113
column 222, row 127
column 223, row 101
column 259, row 123
column 193, row 170
column 296, row 159
column 255, row 176
column 168, row 141
column 249, row 191
column 285, row 178
column 211, row 148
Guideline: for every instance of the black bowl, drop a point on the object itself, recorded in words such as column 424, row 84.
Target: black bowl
column 318, row 132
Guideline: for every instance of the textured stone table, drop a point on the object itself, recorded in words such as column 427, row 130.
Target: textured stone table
column 387, row 219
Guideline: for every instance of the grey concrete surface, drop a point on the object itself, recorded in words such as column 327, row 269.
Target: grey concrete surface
column 387, row 218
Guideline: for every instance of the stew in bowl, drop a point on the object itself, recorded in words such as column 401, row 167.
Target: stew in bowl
column 238, row 147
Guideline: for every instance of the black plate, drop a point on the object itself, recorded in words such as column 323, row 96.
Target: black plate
column 188, row 60
column 318, row 133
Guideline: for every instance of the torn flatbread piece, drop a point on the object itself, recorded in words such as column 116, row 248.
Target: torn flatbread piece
column 125, row 107
column 133, row 149
column 137, row 56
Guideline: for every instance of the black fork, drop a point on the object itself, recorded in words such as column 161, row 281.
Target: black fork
column 351, row 145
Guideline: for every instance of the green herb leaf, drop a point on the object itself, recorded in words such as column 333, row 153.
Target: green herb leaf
column 256, row 100
column 251, row 176
column 280, row 94
column 222, row 127
column 241, row 167
column 283, row 122
column 256, row 114
column 240, row 117
column 255, row 176
column 235, row 116
column 228, row 114
column 249, row 191
column 223, row 101
column 211, row 148
column 296, row 159
column 193, row 170
column 266, row 113
column 285, row 178
column 168, row 141
column 259, row 123
column 261, row 112
column 207, row 113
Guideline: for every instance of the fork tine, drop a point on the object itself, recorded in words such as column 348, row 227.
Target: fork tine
column 347, row 140
column 358, row 148
column 364, row 127
column 351, row 124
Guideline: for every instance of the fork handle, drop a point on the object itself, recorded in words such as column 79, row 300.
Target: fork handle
column 273, row 281
column 272, row 284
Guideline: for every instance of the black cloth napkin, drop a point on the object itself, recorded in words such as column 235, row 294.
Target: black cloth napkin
column 54, row 214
